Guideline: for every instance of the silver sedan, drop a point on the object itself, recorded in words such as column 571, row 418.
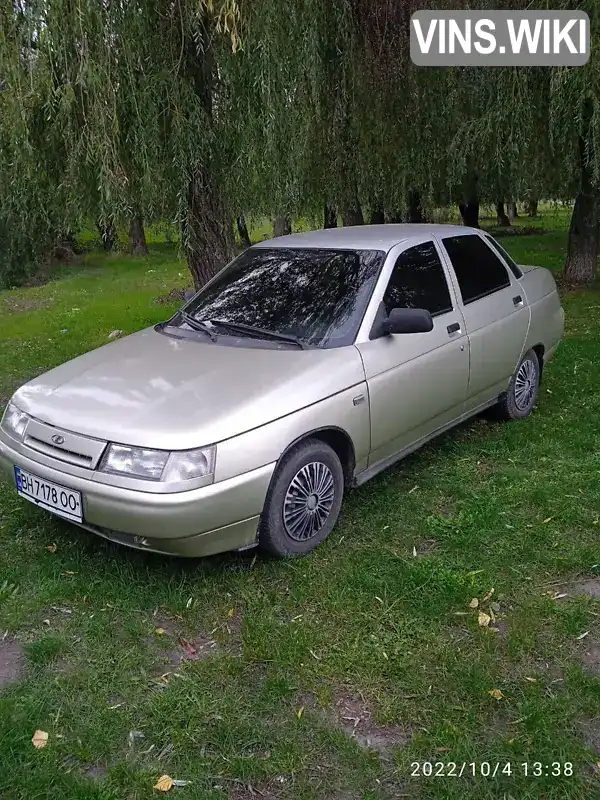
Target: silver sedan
column 305, row 367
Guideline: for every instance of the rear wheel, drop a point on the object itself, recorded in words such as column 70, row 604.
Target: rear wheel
column 303, row 501
column 520, row 397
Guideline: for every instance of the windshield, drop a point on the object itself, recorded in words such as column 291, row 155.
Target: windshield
column 317, row 296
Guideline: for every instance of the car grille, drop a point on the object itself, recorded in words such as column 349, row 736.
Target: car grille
column 72, row 448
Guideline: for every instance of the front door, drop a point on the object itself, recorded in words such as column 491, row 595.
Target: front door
column 417, row 382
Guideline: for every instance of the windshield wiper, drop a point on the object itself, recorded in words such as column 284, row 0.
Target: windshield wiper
column 240, row 327
column 198, row 325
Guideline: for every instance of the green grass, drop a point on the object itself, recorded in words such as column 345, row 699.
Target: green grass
column 362, row 623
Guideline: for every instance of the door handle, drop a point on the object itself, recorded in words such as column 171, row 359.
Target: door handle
column 517, row 300
column 454, row 328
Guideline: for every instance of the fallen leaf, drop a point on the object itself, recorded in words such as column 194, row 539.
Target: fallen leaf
column 39, row 739
column 51, row 548
column 188, row 647
column 442, row 749
column 164, row 784
column 487, row 596
column 231, row 612
column 484, row 619
column 300, row 712
column 496, row 694
column 159, row 631
column 473, row 603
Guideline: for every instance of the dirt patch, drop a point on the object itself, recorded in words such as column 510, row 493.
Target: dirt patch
column 445, row 506
column 174, row 296
column 590, row 587
column 249, row 792
column 95, row 772
column 19, row 305
column 485, row 468
column 426, row 547
column 591, row 660
column 590, row 730
column 12, row 660
column 355, row 717
column 194, row 649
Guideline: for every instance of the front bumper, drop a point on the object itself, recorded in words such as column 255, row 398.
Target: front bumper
column 211, row 519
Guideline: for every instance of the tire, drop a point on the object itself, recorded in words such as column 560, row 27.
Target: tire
column 295, row 519
column 522, row 392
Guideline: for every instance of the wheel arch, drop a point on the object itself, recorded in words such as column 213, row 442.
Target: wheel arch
column 539, row 350
column 340, row 442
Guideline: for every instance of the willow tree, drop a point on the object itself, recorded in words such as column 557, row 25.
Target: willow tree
column 122, row 98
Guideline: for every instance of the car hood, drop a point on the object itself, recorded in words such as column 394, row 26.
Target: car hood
column 154, row 390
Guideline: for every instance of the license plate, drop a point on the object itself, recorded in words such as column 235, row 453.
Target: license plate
column 58, row 499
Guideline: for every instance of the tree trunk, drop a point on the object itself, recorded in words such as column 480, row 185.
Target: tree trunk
column 511, row 207
column 469, row 212
column 353, row 215
column 137, row 236
column 415, row 211
column 282, row 225
column 582, row 248
column 243, row 231
column 532, row 207
column 394, row 217
column 108, row 234
column 209, row 233
column 469, row 207
column 503, row 220
column 377, row 216
column 329, row 216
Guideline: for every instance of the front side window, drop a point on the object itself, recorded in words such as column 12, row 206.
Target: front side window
column 418, row 281
column 478, row 269
column 318, row 296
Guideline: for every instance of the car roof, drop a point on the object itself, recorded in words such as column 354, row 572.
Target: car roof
column 365, row 237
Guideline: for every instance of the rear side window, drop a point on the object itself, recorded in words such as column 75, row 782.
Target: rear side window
column 501, row 251
column 478, row 269
column 418, row 281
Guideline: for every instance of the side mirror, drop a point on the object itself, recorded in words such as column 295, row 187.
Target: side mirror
column 407, row 320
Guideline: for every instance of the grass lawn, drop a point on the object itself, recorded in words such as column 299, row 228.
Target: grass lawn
column 326, row 677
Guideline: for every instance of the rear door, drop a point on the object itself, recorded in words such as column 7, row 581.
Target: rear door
column 496, row 314
column 417, row 382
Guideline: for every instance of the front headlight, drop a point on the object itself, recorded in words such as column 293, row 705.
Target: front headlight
column 14, row 421
column 158, row 465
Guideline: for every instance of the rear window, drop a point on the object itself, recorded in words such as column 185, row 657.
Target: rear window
column 478, row 269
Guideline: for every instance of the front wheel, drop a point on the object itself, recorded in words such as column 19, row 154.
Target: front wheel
column 303, row 501
column 522, row 392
